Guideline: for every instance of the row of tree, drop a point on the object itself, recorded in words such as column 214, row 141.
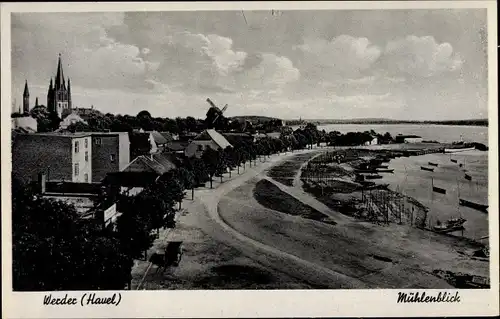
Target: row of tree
column 96, row 121
column 54, row 249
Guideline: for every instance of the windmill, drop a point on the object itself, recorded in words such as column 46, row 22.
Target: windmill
column 218, row 111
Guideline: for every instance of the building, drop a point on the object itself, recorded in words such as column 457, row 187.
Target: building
column 160, row 140
column 176, row 147
column 59, row 94
column 110, row 153
column 373, row 141
column 71, row 118
column 239, row 138
column 141, row 172
column 207, row 139
column 83, row 196
column 408, row 139
column 170, row 136
column 63, row 157
column 26, row 123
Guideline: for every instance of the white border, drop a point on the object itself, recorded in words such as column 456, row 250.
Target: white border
column 278, row 303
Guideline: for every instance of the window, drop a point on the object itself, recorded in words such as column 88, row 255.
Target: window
column 86, row 177
column 77, row 146
column 86, row 143
column 112, row 158
column 86, row 156
column 98, row 141
column 77, row 169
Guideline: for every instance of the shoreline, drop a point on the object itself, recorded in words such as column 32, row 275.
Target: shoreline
column 386, row 201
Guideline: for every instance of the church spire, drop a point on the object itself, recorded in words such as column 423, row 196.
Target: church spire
column 69, row 94
column 36, row 101
column 26, row 91
column 26, row 98
column 60, row 75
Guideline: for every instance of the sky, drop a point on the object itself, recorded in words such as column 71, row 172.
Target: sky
column 318, row 64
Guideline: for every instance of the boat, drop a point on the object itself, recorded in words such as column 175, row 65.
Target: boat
column 438, row 190
column 373, row 176
column 433, row 164
column 468, row 203
column 453, row 160
column 456, row 150
column 427, row 169
column 451, row 225
column 383, row 166
column 385, row 170
column 366, row 171
column 468, row 177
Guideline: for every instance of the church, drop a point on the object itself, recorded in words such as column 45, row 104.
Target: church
column 59, row 93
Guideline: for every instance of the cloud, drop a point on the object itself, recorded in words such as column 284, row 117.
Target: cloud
column 421, row 56
column 111, row 65
column 345, row 55
column 210, row 63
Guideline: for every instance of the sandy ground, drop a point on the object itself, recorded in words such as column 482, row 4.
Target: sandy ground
column 353, row 249
column 233, row 242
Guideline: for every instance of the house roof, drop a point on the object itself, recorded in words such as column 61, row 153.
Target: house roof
column 177, row 146
column 145, row 165
column 63, row 134
column 158, row 137
column 215, row 136
column 167, row 135
column 165, row 160
column 157, row 163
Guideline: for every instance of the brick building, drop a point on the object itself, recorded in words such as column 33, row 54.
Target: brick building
column 110, row 153
column 65, row 157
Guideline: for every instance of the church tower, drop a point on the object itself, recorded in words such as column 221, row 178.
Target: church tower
column 59, row 96
column 26, row 98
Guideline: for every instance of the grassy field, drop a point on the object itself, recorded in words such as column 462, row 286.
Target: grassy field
column 286, row 171
column 270, row 196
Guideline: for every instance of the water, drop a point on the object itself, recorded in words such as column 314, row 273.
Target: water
column 440, row 133
column 412, row 181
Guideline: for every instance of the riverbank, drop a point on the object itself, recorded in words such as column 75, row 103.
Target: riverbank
column 401, row 191
column 359, row 248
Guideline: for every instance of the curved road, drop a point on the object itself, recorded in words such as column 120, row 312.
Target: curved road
column 272, row 257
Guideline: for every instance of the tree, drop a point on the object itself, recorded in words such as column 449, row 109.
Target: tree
column 187, row 179
column 134, row 228
column 79, row 127
column 53, row 249
column 211, row 159
column 191, row 124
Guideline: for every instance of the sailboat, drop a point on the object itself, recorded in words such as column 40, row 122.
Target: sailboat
column 452, row 224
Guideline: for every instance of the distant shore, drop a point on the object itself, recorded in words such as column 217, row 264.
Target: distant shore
column 481, row 122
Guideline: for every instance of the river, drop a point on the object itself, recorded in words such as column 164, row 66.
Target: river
column 441, row 133
column 411, row 180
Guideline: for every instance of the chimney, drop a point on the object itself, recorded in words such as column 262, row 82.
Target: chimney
column 41, row 182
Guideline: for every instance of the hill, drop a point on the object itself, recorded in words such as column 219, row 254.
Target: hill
column 253, row 118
